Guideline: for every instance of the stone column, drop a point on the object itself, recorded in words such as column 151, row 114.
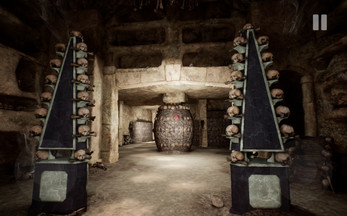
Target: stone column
column 97, row 110
column 309, row 106
column 109, row 145
column 154, row 114
column 202, row 111
column 120, row 123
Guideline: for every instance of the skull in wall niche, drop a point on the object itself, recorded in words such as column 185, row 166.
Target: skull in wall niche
column 235, row 94
column 41, row 155
column 80, row 154
column 82, row 46
column 83, row 95
column 233, row 110
column 84, row 130
column 83, row 79
column 46, row 96
column 236, row 156
column 84, row 112
column 41, row 113
column 287, row 130
column 237, row 57
column 76, row 34
column 231, row 130
column 60, row 47
column 82, row 62
column 236, row 75
column 272, row 74
column 283, row 158
column 35, row 130
column 266, row 56
column 51, row 79
column 247, row 26
column 282, row 111
column 240, row 41
column 263, row 40
column 277, row 93
column 55, row 62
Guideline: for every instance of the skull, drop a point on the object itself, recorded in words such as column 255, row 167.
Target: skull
column 82, row 62
column 233, row 110
column 247, row 26
column 76, row 34
column 60, row 47
column 84, row 112
column 282, row 111
column 55, row 62
column 83, row 95
column 82, row 46
column 35, row 130
column 41, row 113
column 283, row 158
column 80, row 154
column 91, row 103
column 83, row 79
column 326, row 154
column 266, row 56
column 231, row 130
column 84, row 130
column 287, row 130
column 277, row 93
column 42, row 155
column 263, row 40
column 46, row 96
column 240, row 41
column 236, row 156
column 272, row 74
column 238, row 57
column 51, row 79
column 235, row 94
column 236, row 75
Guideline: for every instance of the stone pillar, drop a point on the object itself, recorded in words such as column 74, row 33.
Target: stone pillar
column 154, row 114
column 120, row 123
column 309, row 106
column 97, row 110
column 109, row 145
column 202, row 111
column 174, row 97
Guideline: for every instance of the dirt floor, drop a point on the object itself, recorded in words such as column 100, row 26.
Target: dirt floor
column 145, row 182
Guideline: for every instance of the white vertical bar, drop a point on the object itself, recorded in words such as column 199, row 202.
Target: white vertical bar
column 315, row 22
column 324, row 22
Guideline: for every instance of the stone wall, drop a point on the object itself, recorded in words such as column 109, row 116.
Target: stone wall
column 17, row 107
column 133, row 113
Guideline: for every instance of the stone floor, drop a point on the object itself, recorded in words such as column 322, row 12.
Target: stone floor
column 145, row 182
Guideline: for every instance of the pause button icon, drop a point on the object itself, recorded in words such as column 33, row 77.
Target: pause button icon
column 323, row 22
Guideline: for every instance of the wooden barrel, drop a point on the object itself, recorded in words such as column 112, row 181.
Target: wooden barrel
column 173, row 128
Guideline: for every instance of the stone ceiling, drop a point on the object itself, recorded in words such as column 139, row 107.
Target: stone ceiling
column 129, row 36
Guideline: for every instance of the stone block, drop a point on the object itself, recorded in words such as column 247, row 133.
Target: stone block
column 193, row 74
column 128, row 77
column 218, row 74
column 153, row 75
column 174, row 97
column 173, row 72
